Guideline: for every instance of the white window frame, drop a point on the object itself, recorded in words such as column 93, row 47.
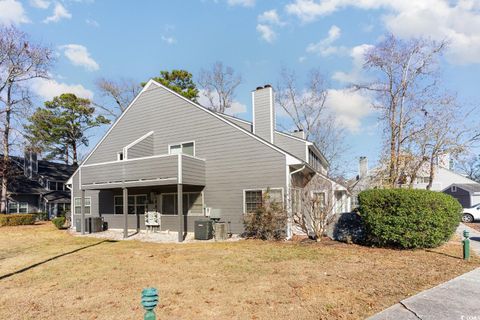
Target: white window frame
column 120, row 156
column 79, row 211
column 134, row 205
column 454, row 188
column 181, row 145
column 17, row 205
column 188, row 213
column 263, row 192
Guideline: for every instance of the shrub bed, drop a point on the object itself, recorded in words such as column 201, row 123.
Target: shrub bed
column 407, row 218
column 17, row 219
column 59, row 222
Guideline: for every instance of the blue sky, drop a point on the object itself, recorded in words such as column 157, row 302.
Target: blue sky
column 137, row 39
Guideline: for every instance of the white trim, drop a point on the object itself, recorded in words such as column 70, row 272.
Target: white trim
column 72, row 207
column 253, row 112
column 263, row 191
column 18, row 206
column 127, row 182
column 272, row 116
column 454, row 188
column 235, row 118
column 181, row 145
column 288, row 135
column 121, row 155
column 148, row 134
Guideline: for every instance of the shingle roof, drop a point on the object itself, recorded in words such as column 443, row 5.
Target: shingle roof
column 470, row 187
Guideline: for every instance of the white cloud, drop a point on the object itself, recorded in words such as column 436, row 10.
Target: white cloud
column 59, row 12
column 41, row 4
column 92, row 23
column 47, row 89
column 12, row 12
column 270, row 17
column 236, row 108
column 169, row 40
column 325, row 46
column 266, row 32
column 355, row 75
column 79, row 56
column 242, row 3
column 349, row 107
column 456, row 21
column 302, row 59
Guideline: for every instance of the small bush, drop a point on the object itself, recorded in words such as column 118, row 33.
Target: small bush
column 59, row 222
column 407, row 218
column 17, row 219
column 42, row 216
column 268, row 222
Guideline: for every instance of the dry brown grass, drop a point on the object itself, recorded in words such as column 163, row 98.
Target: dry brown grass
column 242, row 280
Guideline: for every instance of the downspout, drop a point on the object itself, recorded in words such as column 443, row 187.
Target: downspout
column 289, row 224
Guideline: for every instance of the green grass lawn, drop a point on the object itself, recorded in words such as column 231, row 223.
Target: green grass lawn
column 234, row 280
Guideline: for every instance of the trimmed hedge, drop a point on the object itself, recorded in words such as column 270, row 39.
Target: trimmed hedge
column 59, row 222
column 408, row 218
column 17, row 219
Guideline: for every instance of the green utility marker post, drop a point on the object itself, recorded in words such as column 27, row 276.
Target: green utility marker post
column 466, row 245
column 149, row 302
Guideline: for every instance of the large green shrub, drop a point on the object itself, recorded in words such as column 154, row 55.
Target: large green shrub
column 59, row 222
column 407, row 218
column 17, row 219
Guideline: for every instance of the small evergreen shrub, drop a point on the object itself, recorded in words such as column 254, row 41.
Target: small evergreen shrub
column 42, row 216
column 59, row 222
column 17, row 219
column 268, row 222
column 408, row 218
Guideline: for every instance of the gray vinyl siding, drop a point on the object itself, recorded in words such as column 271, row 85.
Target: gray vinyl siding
column 234, row 161
column 263, row 114
column 243, row 124
column 143, row 148
column 193, row 171
column 292, row 145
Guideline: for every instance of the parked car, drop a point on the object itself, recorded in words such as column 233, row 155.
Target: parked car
column 471, row 214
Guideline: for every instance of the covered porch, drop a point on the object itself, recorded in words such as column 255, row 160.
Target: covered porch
column 169, row 185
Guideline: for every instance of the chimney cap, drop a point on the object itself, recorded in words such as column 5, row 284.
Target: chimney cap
column 267, row 86
column 259, row 88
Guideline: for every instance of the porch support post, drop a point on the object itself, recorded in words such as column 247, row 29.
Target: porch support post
column 125, row 212
column 180, row 212
column 82, row 210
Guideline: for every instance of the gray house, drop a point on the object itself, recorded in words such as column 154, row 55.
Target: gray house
column 468, row 194
column 38, row 186
column 170, row 155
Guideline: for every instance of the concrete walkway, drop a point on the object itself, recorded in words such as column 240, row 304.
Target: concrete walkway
column 458, row 298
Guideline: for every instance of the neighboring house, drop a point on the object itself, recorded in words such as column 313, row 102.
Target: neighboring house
column 170, row 155
column 39, row 186
column 468, row 194
column 444, row 180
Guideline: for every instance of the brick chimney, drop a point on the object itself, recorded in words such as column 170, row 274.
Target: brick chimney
column 263, row 112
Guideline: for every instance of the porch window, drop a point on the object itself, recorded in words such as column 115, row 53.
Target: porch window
column 253, row 198
column 136, row 204
column 78, row 205
column 192, row 203
column 182, row 148
column 17, row 207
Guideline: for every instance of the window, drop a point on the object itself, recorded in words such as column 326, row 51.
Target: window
column 314, row 161
column 136, row 204
column 318, row 198
column 119, row 156
column 192, row 203
column 17, row 207
column 78, row 205
column 454, row 188
column 423, row 179
column 182, row 148
column 253, row 198
column 54, row 185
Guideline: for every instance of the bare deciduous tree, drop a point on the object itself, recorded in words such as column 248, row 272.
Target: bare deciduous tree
column 306, row 107
column 406, row 86
column 20, row 61
column 122, row 92
column 219, row 84
column 470, row 167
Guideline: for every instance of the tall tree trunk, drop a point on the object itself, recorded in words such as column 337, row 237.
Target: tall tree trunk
column 6, row 151
column 74, row 150
column 392, row 178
